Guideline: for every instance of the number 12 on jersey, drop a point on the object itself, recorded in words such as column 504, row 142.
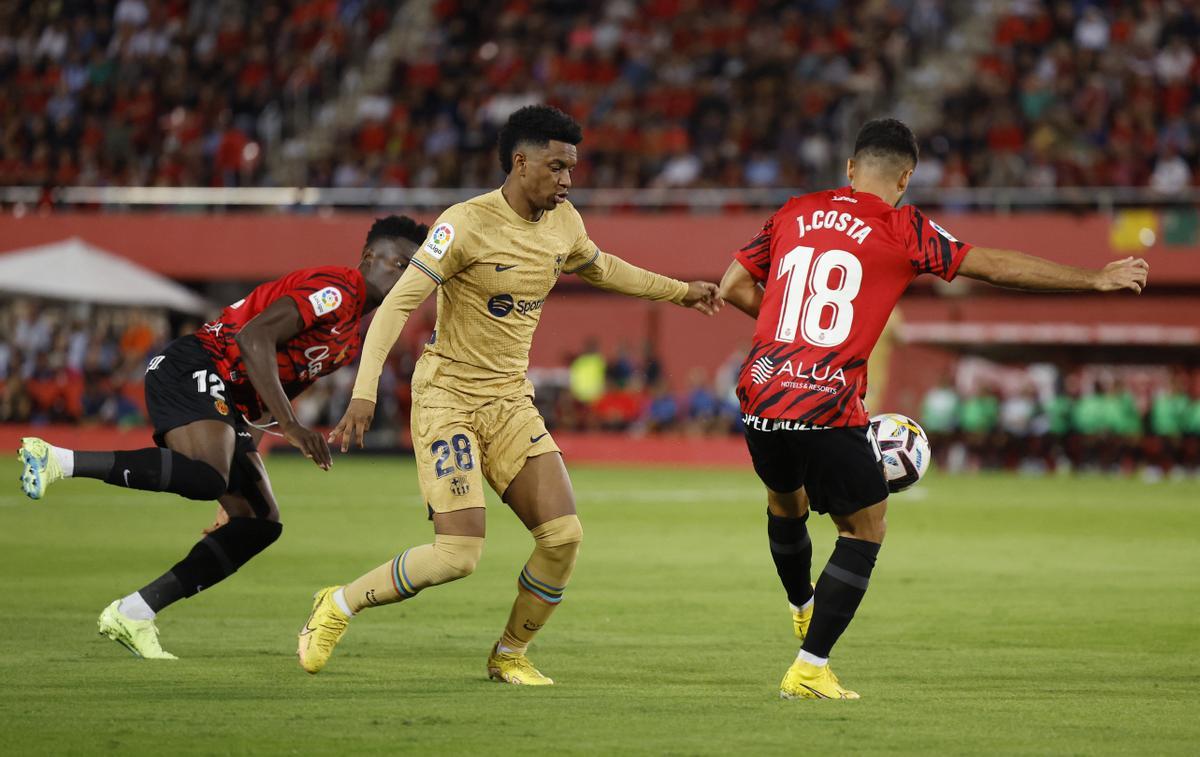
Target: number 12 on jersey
column 808, row 296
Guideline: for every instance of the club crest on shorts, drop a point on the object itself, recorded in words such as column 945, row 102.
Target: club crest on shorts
column 460, row 486
column 221, row 407
column 439, row 240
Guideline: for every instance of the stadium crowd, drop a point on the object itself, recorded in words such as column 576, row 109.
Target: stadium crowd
column 673, row 93
column 1076, row 94
column 166, row 92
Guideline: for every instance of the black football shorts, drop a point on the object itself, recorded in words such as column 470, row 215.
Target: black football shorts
column 183, row 386
column 839, row 468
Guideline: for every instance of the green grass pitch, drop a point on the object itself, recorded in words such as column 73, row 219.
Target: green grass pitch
column 1006, row 615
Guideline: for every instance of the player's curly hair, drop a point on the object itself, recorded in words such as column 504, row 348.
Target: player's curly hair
column 397, row 227
column 536, row 125
column 886, row 138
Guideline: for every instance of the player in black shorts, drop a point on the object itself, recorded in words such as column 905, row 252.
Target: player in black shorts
column 247, row 363
column 821, row 280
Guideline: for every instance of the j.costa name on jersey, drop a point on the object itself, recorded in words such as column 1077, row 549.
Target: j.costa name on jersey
column 855, row 228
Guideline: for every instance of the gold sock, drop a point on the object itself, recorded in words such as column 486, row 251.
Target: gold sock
column 542, row 581
column 447, row 559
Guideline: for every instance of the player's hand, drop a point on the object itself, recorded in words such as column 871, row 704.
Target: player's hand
column 703, row 296
column 353, row 424
column 219, row 520
column 309, row 442
column 1129, row 273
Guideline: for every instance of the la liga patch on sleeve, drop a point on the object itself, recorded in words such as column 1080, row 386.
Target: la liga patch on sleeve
column 325, row 301
column 942, row 231
column 439, row 240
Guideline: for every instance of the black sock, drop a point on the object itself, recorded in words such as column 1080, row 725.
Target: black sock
column 840, row 589
column 791, row 549
column 213, row 559
column 154, row 469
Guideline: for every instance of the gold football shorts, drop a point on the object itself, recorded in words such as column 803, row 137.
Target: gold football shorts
column 456, row 449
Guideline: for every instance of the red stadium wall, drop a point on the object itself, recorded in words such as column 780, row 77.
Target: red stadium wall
column 221, row 247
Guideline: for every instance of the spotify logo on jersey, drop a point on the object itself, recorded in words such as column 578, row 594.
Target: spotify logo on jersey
column 500, row 305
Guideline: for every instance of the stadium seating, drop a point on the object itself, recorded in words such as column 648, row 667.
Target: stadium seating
column 1076, row 94
column 167, row 93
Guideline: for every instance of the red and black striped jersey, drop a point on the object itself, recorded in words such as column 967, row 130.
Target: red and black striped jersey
column 330, row 300
column 833, row 264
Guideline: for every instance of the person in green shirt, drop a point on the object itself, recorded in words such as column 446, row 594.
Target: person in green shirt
column 977, row 418
column 1191, row 418
column 1165, row 422
column 1124, row 418
column 1169, row 411
column 1090, row 415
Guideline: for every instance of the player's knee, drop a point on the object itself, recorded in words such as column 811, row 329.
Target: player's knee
column 459, row 554
column 196, row 480
column 872, row 530
column 560, row 536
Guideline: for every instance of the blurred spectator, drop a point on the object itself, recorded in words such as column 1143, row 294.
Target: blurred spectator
column 622, row 367
column 661, row 410
column 70, row 363
column 618, row 408
column 702, row 409
column 939, row 409
column 587, row 374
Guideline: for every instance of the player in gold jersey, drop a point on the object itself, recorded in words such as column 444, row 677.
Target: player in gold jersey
column 493, row 260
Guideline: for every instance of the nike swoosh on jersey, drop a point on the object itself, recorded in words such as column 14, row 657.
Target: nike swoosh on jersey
column 332, row 330
column 536, row 439
column 503, row 268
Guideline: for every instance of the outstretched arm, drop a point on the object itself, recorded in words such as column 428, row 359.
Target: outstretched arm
column 610, row 273
column 1016, row 270
column 739, row 289
column 410, row 291
column 259, row 342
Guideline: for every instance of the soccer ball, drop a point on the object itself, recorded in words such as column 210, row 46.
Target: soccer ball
column 904, row 448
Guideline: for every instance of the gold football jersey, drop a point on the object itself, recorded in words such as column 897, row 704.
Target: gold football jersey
column 494, row 270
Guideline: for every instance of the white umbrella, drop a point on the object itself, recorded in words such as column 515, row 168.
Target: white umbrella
column 78, row 271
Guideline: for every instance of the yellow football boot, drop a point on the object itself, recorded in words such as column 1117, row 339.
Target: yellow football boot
column 138, row 636
column 41, row 467
column 806, row 681
column 322, row 631
column 509, row 667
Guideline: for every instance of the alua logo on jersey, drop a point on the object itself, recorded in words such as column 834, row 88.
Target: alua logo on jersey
column 765, row 369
